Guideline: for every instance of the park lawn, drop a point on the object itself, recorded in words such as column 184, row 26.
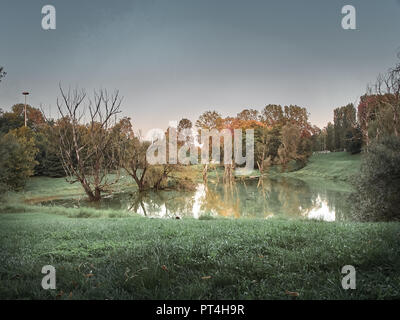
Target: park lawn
column 141, row 258
column 110, row 254
column 338, row 166
column 39, row 189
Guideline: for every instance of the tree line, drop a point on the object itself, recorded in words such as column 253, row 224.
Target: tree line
column 91, row 142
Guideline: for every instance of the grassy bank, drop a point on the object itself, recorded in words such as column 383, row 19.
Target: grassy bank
column 40, row 189
column 336, row 167
column 139, row 258
column 339, row 166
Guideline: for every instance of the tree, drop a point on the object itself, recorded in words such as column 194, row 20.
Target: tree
column 10, row 121
column 294, row 146
column 330, row 137
column 248, row 115
column 388, row 84
column 89, row 151
column 146, row 176
column 318, row 139
column 134, row 161
column 262, row 146
column 49, row 162
column 377, row 195
column 353, row 140
column 379, row 109
column 208, row 120
column 2, row 73
column 291, row 136
column 272, row 115
column 17, row 158
column 184, row 124
column 15, row 118
column 297, row 116
column 344, row 120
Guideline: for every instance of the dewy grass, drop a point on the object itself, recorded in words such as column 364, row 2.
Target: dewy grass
column 111, row 254
column 82, row 212
column 40, row 188
column 140, row 258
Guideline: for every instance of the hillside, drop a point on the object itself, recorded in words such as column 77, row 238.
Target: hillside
column 340, row 166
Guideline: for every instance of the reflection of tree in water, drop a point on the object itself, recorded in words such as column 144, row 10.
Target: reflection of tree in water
column 222, row 199
column 246, row 198
column 269, row 197
column 338, row 202
column 181, row 203
column 260, row 198
column 163, row 203
column 328, row 204
column 137, row 202
column 257, row 198
column 294, row 196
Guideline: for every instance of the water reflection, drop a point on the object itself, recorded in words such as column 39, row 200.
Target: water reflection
column 320, row 211
column 255, row 198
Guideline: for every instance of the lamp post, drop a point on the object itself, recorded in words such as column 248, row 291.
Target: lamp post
column 25, row 94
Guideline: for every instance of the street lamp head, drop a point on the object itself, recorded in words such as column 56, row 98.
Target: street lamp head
column 25, row 93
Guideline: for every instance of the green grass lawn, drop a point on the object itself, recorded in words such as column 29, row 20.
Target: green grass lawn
column 40, row 189
column 110, row 254
column 340, row 166
column 141, row 258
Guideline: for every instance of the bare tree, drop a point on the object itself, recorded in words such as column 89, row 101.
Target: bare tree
column 134, row 160
column 389, row 84
column 89, row 151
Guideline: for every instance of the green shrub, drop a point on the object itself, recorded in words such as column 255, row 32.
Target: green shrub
column 17, row 158
column 377, row 196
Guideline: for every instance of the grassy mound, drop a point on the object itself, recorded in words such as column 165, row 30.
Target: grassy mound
column 341, row 166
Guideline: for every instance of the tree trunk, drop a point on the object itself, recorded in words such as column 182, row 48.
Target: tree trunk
column 88, row 190
column 205, row 169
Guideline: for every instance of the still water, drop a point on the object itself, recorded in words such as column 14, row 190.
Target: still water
column 256, row 198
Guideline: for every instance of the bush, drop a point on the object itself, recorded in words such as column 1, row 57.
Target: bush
column 17, row 158
column 377, row 196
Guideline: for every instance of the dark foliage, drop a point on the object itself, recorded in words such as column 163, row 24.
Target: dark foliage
column 378, row 184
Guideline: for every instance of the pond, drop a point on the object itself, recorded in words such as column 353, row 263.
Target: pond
column 253, row 198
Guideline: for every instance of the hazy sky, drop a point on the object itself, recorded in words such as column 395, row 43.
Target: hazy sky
column 178, row 58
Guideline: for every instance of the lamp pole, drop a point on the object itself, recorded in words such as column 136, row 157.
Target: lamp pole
column 25, row 94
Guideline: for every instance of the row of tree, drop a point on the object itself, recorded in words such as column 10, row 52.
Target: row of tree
column 89, row 143
column 344, row 134
column 378, row 184
column 374, row 129
column 281, row 134
column 377, row 115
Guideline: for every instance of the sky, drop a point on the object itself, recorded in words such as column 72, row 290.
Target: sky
column 178, row 58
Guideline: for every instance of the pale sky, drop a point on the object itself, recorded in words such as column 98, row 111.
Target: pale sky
column 178, row 58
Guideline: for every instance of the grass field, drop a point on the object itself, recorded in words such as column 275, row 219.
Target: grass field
column 110, row 254
column 340, row 166
column 139, row 258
